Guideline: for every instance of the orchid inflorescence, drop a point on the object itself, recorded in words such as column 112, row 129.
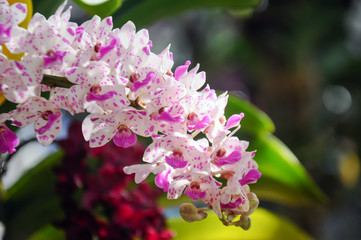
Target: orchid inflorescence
column 127, row 91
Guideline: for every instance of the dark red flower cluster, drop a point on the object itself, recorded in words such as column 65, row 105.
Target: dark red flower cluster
column 99, row 200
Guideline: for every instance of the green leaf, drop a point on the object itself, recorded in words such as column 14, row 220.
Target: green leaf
column 143, row 13
column 103, row 9
column 265, row 225
column 284, row 179
column 48, row 232
column 255, row 121
column 46, row 7
column 32, row 202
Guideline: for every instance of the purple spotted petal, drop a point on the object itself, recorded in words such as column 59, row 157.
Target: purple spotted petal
column 250, row 177
column 8, row 140
column 181, row 70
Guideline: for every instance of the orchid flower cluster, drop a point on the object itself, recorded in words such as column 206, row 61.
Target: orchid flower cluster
column 113, row 75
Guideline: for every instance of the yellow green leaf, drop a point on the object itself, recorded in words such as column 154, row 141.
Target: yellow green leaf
column 284, row 179
column 255, row 121
column 265, row 225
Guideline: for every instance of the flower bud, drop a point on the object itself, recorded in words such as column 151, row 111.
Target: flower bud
column 190, row 213
column 244, row 222
column 253, row 203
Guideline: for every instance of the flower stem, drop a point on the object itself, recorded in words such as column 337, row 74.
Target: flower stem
column 204, row 209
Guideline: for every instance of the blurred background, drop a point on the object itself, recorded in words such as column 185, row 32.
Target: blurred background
column 300, row 62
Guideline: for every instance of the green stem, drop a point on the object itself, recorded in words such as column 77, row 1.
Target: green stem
column 56, row 81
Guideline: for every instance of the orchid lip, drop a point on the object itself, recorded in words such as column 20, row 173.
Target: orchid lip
column 231, row 158
column 232, row 205
column 165, row 116
column 176, row 160
column 53, row 58
column 194, row 192
column 95, row 97
column 138, row 84
column 251, row 177
column 51, row 118
column 124, row 137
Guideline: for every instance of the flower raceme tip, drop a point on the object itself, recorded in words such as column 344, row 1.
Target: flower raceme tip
column 127, row 91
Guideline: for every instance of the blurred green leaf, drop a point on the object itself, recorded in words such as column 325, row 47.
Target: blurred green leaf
column 243, row 13
column 103, row 9
column 32, row 202
column 265, row 225
column 48, row 232
column 143, row 13
column 284, row 179
column 46, row 7
column 255, row 121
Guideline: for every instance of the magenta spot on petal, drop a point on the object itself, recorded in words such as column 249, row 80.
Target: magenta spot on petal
column 151, row 128
column 79, row 29
column 70, row 31
column 109, row 21
column 21, row 7
column 5, row 33
column 17, row 123
column 19, row 66
column 150, row 44
column 71, row 71
column 146, row 50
